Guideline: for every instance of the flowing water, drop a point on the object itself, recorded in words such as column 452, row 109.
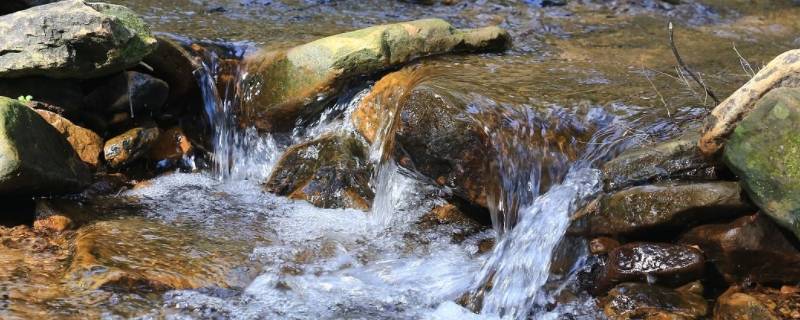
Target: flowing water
column 582, row 83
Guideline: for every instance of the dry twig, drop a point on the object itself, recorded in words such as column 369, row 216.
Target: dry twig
column 686, row 68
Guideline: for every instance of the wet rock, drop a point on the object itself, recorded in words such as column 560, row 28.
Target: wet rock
column 298, row 81
column 750, row 249
column 764, row 151
column 172, row 144
column 55, row 223
column 34, row 157
column 329, row 172
column 173, row 64
column 133, row 253
column 130, row 91
column 643, row 208
column 655, row 263
column 72, row 39
column 781, row 71
column 757, row 304
column 87, row 144
column 630, row 301
column 675, row 159
column 443, row 214
column 105, row 184
column 64, row 93
column 437, row 140
column 129, row 146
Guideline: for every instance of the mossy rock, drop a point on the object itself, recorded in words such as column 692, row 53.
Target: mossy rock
column 764, row 151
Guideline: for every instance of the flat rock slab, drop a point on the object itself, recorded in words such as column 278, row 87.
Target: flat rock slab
column 297, row 81
column 72, row 39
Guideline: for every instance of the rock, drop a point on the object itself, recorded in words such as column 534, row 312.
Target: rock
column 654, row 263
column 630, row 301
column 172, row 144
column 172, row 63
column 55, row 223
column 130, row 91
column 87, row 144
column 105, row 184
column 34, row 157
column 134, row 252
column 329, row 172
column 781, row 71
column 437, row 139
column 643, row 208
column 129, row 146
column 675, row 159
column 758, row 304
column 444, row 214
column 300, row 80
column 750, row 249
column 602, row 245
column 72, row 39
column 64, row 93
column 764, row 151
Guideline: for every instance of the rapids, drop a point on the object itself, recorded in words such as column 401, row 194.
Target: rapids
column 583, row 83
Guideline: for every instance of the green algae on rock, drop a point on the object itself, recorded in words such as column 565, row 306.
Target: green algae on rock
column 764, row 151
column 72, row 39
column 34, row 157
column 298, row 81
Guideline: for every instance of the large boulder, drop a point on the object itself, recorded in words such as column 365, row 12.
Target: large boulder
column 72, row 39
column 674, row 159
column 751, row 249
column 329, row 172
column 764, row 151
column 630, row 301
column 298, row 81
column 783, row 71
column 34, row 157
column 655, row 263
column 669, row 204
column 87, row 144
column 757, row 304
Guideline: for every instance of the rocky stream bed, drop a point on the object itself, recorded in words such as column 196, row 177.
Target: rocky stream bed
column 387, row 159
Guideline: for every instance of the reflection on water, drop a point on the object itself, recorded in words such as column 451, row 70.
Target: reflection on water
column 583, row 82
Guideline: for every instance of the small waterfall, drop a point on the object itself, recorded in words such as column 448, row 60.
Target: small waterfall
column 239, row 153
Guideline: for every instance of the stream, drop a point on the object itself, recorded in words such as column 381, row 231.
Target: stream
column 582, row 83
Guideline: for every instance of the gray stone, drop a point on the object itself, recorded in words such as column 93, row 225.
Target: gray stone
column 72, row 39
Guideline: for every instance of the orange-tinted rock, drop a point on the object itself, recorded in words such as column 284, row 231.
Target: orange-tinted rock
column 602, row 245
column 129, row 146
column 751, row 248
column 757, row 304
column 57, row 223
column 172, row 144
column 87, row 144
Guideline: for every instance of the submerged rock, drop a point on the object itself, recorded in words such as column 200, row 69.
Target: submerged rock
column 654, row 263
column 764, row 151
column 133, row 253
column 757, row 304
column 129, row 146
column 675, row 159
column 670, row 204
column 751, row 249
column 298, row 81
column 329, row 172
column 87, row 144
column 72, row 39
column 130, row 91
column 630, row 301
column 34, row 157
column 782, row 71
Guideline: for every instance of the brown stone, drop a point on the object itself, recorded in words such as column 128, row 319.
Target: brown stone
column 640, row 301
column 655, row 263
column 757, row 304
column 751, row 248
column 602, row 245
column 172, row 144
column 57, row 223
column 87, row 144
column 129, row 146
